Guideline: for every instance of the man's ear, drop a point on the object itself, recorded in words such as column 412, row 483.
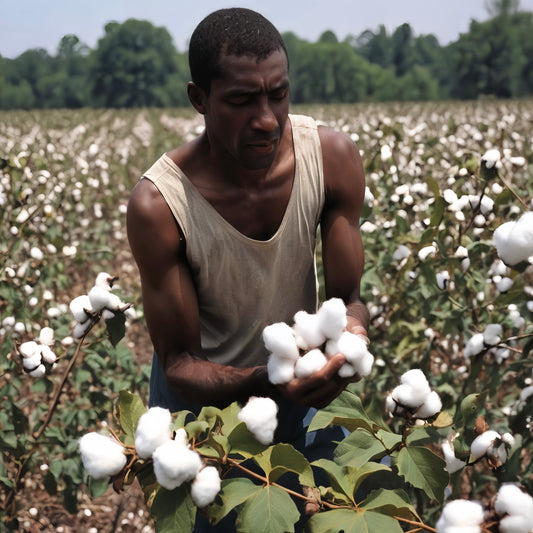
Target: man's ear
column 197, row 97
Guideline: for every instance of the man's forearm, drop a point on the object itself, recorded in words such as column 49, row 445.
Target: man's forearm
column 206, row 383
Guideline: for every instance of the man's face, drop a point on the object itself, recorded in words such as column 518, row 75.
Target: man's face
column 247, row 109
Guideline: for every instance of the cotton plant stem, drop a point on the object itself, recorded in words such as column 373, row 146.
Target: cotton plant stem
column 418, row 525
column 513, row 192
column 59, row 388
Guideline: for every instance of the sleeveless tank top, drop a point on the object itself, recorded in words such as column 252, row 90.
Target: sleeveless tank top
column 244, row 284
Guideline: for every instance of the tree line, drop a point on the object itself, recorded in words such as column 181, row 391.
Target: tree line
column 135, row 64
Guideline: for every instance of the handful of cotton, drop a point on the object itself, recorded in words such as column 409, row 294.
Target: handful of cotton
column 304, row 348
column 413, row 397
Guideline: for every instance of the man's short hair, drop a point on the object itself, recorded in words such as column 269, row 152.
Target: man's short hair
column 233, row 31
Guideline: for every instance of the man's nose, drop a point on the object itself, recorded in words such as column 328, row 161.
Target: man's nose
column 264, row 119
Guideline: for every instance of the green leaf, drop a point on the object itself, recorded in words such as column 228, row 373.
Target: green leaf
column 174, row 510
column 424, row 470
column 214, row 446
column 243, row 443
column 130, row 409
column 337, row 477
column 390, row 502
column 352, row 522
column 269, row 510
column 358, row 448
column 196, row 428
column 282, row 458
column 233, row 492
column 356, row 476
column 346, row 410
column 438, row 212
column 116, row 328
column 97, row 487
column 210, row 415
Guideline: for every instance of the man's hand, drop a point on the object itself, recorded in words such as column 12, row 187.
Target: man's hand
column 319, row 389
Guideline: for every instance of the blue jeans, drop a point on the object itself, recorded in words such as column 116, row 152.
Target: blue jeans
column 293, row 421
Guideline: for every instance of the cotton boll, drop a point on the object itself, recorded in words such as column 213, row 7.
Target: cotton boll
column 332, row 318
column 492, row 334
column 46, row 336
column 101, row 455
column 352, row 346
column 416, row 379
column 105, row 281
column 175, row 464
column 453, row 464
column 504, row 284
column 346, row 371
column 474, row 345
column 180, row 437
column 78, row 308
column 307, row 330
column 99, row 298
column 38, row 372
column 308, row 364
column 427, row 251
column 482, row 443
column 279, row 340
column 407, row 396
column 205, row 487
column 491, row 158
column 280, row 370
column 431, row 406
column 443, row 279
column 81, row 329
column 33, row 361
column 260, row 417
column 153, row 430
column 28, row 349
column 512, row 500
column 364, row 367
column 48, row 355
column 460, row 513
column 516, row 524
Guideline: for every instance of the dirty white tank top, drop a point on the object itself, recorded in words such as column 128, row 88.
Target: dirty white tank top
column 245, row 284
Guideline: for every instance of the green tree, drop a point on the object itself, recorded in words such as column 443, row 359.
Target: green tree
column 133, row 65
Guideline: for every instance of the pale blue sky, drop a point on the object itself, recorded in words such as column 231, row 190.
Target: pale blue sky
column 28, row 24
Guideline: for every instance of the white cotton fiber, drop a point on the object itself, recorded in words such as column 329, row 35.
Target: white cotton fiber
column 308, row 364
column 408, row 396
column 474, row 345
column 32, row 362
column 102, row 456
column 48, row 356
column 492, row 334
column 346, row 371
column 81, row 328
column 279, row 340
column 516, row 524
column 205, row 487
column 482, row 442
column 99, row 298
column 353, row 347
column 175, row 464
column 332, row 318
column 38, row 372
column 180, row 437
column 512, row 500
column 514, row 240
column 460, row 513
column 46, row 336
column 307, row 330
column 365, row 365
column 431, row 406
column 280, row 370
column 153, row 430
column 416, row 379
column 78, row 307
column 453, row 464
column 28, row 349
column 260, row 417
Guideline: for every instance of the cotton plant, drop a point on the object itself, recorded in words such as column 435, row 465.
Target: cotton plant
column 305, row 347
column 413, row 398
column 38, row 357
column 260, row 417
column 493, row 446
column 477, row 343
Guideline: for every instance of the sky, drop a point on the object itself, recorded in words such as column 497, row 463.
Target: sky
column 26, row 24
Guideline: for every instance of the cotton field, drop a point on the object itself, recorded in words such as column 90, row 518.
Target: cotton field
column 448, row 236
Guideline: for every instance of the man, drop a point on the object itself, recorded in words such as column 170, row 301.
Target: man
column 223, row 229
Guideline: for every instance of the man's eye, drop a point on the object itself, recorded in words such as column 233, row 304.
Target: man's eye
column 278, row 95
column 238, row 100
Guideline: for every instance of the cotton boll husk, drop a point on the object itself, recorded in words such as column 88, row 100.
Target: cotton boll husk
column 205, row 487
column 28, row 349
column 153, row 430
column 260, row 417
column 332, row 318
column 46, row 336
column 78, row 306
column 99, row 298
column 307, row 330
column 431, row 406
column 460, row 513
column 482, row 442
column 33, row 361
column 308, row 364
column 279, row 340
column 38, row 372
column 279, row 370
column 48, row 355
column 512, row 500
column 408, row 396
column 516, row 524
column 101, row 455
column 174, row 464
